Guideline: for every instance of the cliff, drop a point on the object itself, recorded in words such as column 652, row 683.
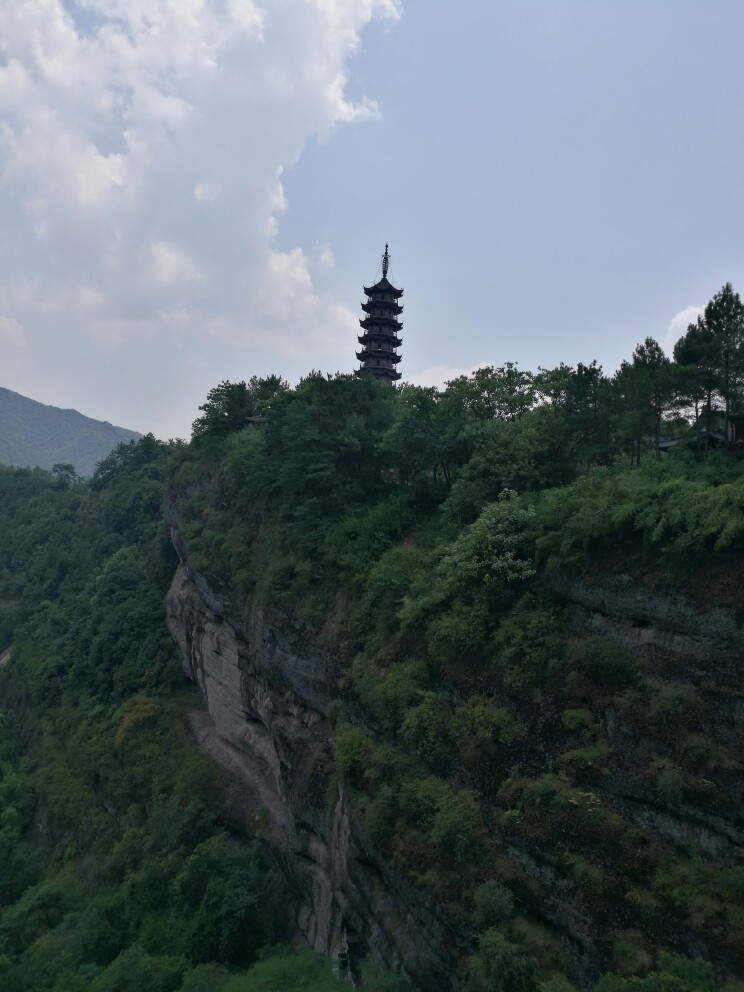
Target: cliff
column 266, row 689
column 593, row 882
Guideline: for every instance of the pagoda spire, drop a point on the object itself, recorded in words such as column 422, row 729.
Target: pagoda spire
column 381, row 328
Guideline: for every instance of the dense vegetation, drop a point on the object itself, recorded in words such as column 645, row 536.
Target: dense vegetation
column 117, row 871
column 422, row 535
column 35, row 434
column 425, row 538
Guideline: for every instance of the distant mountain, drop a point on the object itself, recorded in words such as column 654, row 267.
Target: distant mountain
column 34, row 434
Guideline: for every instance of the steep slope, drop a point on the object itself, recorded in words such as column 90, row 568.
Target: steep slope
column 516, row 737
column 602, row 836
column 38, row 435
column 266, row 690
column 120, row 866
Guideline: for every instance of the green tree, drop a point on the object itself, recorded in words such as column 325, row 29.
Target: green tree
column 65, row 473
column 645, row 388
column 581, row 401
column 724, row 318
column 497, row 966
column 231, row 406
column 506, row 392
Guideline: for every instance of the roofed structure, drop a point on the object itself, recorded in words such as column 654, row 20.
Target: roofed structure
column 381, row 328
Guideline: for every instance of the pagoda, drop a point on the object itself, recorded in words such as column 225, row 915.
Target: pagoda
column 381, row 328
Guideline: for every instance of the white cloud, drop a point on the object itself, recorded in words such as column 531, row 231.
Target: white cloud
column 324, row 260
column 678, row 326
column 142, row 146
column 440, row 375
column 11, row 333
column 300, row 320
column 172, row 266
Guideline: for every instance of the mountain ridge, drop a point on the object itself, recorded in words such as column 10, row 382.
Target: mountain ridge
column 35, row 434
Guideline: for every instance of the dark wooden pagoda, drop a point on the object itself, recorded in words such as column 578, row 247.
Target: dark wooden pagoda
column 381, row 328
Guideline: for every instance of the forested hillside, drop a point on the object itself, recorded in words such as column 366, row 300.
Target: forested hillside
column 538, row 618
column 117, row 867
column 36, row 435
column 534, row 623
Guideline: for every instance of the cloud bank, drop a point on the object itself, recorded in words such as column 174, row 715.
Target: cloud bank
column 678, row 326
column 142, row 145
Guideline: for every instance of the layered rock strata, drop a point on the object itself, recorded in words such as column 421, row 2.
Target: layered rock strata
column 266, row 687
column 266, row 691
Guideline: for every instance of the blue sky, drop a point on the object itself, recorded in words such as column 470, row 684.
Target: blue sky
column 557, row 180
column 197, row 191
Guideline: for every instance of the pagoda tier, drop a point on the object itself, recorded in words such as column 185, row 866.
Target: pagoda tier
column 382, row 308
column 381, row 328
column 379, row 372
column 377, row 353
column 376, row 321
column 374, row 337
column 383, row 290
column 377, row 325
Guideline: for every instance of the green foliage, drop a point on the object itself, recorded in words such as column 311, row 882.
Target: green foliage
column 607, row 663
column 556, row 983
column 134, row 969
column 526, row 455
column 675, row 974
column 489, row 558
column 585, row 763
column 300, row 970
column 630, row 954
column 497, row 966
column 33, row 433
column 136, row 881
column 482, row 730
column 494, row 905
column 408, row 529
column 425, row 727
column 205, row 978
column 231, row 406
column 528, row 645
column 670, row 781
column 352, row 749
column 320, row 454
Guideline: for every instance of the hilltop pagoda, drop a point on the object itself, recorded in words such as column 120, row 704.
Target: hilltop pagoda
column 381, row 328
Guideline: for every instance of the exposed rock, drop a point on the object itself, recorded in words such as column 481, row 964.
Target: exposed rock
column 267, row 685
column 620, row 608
column 266, row 690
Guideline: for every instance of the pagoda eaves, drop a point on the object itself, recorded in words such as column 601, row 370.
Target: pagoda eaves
column 381, row 328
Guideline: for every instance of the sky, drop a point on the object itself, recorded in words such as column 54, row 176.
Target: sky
column 197, row 190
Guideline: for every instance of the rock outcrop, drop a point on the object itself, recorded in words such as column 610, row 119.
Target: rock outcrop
column 267, row 685
column 266, row 690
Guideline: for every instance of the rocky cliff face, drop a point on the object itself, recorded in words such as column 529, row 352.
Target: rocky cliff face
column 266, row 690
column 266, row 687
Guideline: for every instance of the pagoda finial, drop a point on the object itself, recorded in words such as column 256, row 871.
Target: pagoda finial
column 385, row 262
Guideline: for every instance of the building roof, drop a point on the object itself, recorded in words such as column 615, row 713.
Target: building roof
column 383, row 286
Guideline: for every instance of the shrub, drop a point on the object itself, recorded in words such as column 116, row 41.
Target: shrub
column 608, row 664
column 426, row 727
column 494, row 904
column 352, row 748
column 585, row 763
column 497, row 966
column 481, row 730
